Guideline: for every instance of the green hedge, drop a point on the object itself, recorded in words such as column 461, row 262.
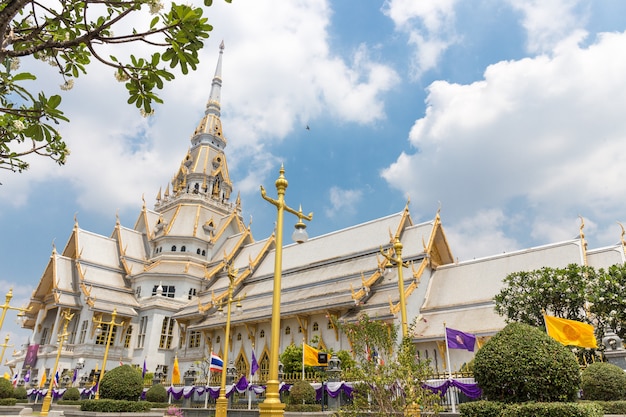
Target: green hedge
column 115, row 406
column 612, row 407
column 481, row 409
column 532, row 409
column 8, row 401
column 303, row 408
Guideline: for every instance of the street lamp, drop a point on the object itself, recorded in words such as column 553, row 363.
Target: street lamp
column 397, row 248
column 6, row 307
column 221, row 404
column 45, row 407
column 110, row 324
column 4, row 347
column 272, row 405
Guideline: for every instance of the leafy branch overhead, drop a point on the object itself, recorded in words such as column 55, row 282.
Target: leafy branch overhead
column 69, row 35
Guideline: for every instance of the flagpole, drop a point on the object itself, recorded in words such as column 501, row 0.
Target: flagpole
column 445, row 334
column 206, row 396
column 303, row 358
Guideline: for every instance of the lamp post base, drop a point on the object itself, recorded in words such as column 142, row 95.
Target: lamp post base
column 45, row 406
column 221, row 405
column 271, row 409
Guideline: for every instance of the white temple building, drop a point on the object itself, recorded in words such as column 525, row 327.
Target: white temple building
column 164, row 277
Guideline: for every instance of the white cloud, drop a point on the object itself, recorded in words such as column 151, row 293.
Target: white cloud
column 342, row 201
column 429, row 25
column 548, row 22
column 542, row 137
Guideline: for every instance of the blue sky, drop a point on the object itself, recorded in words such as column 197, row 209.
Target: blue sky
column 506, row 114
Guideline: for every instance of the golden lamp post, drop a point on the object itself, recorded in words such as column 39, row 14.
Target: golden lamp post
column 221, row 404
column 45, row 407
column 397, row 260
column 4, row 348
column 272, row 405
column 110, row 324
column 6, row 307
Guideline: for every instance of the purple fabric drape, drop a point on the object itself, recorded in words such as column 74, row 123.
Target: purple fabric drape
column 472, row 390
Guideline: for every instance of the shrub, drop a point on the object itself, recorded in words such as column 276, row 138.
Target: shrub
column 531, row 409
column 6, row 388
column 8, row 401
column 302, row 392
column 522, row 363
column 71, row 394
column 20, row 393
column 156, row 394
column 121, row 383
column 604, row 382
column 481, row 409
column 115, row 406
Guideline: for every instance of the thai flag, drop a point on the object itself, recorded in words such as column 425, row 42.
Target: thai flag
column 216, row 363
column 15, row 378
column 56, row 379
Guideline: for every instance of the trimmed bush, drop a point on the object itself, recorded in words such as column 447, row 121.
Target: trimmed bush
column 20, row 393
column 8, row 401
column 6, row 388
column 603, row 381
column 612, row 407
column 553, row 410
column 115, row 406
column 302, row 392
column 481, row 409
column 121, row 383
column 71, row 394
column 522, row 363
column 156, row 394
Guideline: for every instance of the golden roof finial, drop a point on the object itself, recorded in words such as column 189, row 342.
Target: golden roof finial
column 622, row 238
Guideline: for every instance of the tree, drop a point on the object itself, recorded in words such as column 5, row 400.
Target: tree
column 560, row 291
column 68, row 35
column 607, row 304
column 521, row 363
column 388, row 377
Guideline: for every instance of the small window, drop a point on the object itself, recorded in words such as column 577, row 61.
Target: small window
column 138, row 292
column 316, row 327
column 262, row 334
column 217, row 339
column 238, row 336
column 299, row 329
column 287, row 330
column 198, row 251
column 174, row 248
column 329, row 325
column 203, row 252
column 192, row 293
column 183, row 248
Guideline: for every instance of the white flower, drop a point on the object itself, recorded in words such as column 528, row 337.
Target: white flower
column 121, row 76
column 67, row 85
column 18, row 125
column 144, row 114
column 15, row 64
column 155, row 6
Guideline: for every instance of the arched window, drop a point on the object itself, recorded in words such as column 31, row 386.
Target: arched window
column 203, row 253
column 183, row 248
column 262, row 334
column 287, row 330
column 198, row 251
column 174, row 248
column 316, row 327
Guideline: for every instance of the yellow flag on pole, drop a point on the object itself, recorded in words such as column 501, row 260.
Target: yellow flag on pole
column 571, row 332
column 310, row 355
column 43, row 380
column 176, row 372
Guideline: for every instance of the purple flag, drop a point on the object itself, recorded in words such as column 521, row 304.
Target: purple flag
column 75, row 376
column 145, row 370
column 255, row 365
column 460, row 340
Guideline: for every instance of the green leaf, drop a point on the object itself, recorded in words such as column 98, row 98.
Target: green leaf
column 24, row 76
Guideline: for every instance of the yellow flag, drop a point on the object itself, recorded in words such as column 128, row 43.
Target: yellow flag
column 176, row 372
column 571, row 332
column 43, row 380
column 309, row 356
column 7, row 376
